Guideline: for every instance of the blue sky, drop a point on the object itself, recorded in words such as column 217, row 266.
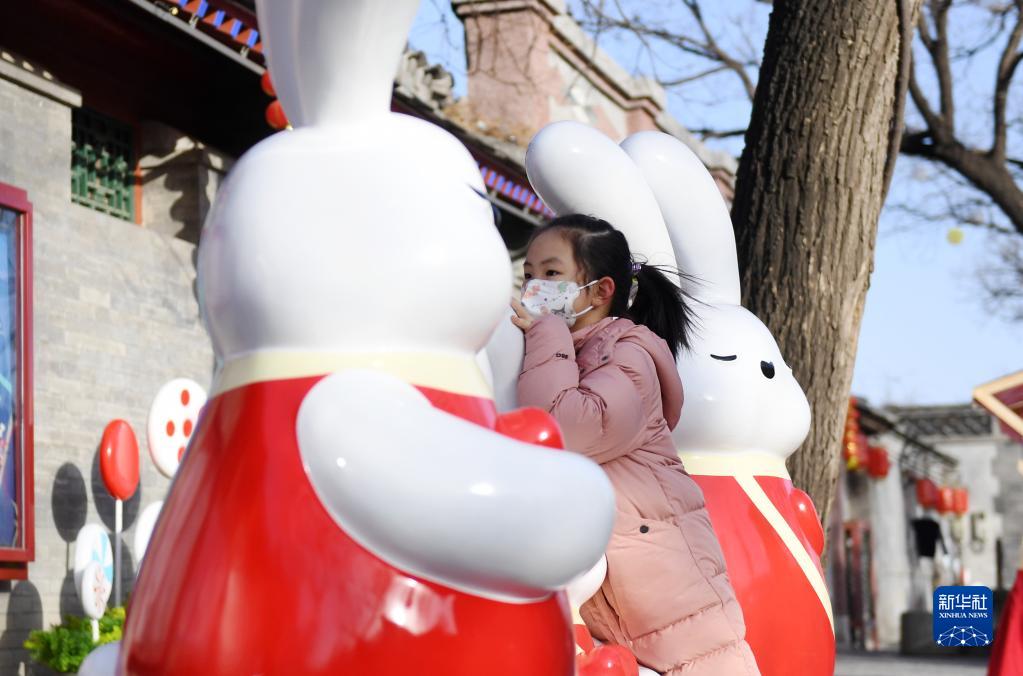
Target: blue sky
column 926, row 336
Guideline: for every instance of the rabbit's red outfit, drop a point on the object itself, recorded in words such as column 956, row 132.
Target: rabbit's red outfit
column 772, row 540
column 615, row 391
column 248, row 574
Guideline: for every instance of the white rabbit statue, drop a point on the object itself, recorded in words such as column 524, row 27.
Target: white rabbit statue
column 744, row 413
column 351, row 502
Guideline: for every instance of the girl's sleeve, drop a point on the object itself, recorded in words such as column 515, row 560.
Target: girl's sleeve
column 600, row 416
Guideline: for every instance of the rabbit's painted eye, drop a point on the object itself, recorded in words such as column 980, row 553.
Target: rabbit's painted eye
column 730, row 357
column 493, row 207
column 767, row 368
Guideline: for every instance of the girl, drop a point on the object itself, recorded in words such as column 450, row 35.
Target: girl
column 601, row 336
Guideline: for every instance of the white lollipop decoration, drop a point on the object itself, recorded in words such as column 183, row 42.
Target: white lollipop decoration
column 94, row 590
column 94, row 572
column 173, row 416
column 144, row 529
column 172, row 419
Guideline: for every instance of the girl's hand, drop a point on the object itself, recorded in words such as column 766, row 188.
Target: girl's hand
column 522, row 319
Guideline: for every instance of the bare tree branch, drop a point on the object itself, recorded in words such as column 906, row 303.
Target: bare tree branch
column 713, row 133
column 704, row 46
column 924, row 31
column 1003, row 282
column 1006, row 69
column 712, row 45
column 935, row 124
column 902, row 78
column 995, row 173
column 692, row 78
column 939, row 56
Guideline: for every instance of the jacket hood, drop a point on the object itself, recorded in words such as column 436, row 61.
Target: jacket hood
column 595, row 347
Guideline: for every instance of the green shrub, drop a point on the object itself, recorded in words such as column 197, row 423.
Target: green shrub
column 63, row 647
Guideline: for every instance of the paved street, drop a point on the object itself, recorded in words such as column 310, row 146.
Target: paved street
column 890, row 664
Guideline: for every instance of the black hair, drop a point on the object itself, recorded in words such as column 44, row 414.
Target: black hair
column 601, row 251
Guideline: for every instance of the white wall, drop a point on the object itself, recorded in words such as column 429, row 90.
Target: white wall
column 890, row 535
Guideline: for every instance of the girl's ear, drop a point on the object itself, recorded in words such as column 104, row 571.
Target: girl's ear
column 603, row 292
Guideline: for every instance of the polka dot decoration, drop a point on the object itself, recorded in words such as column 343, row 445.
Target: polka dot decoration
column 172, row 421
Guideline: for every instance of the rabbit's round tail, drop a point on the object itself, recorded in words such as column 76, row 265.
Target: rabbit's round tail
column 333, row 61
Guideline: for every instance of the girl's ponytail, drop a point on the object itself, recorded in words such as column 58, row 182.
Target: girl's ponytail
column 661, row 306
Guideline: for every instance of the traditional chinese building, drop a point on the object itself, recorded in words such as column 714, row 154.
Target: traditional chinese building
column 927, row 496
column 118, row 121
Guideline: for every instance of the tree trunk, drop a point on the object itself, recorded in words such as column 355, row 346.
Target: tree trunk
column 809, row 191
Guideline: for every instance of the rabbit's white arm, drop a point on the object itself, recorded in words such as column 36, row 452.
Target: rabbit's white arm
column 446, row 499
column 504, row 355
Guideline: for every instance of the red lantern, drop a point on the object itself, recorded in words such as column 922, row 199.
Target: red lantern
column 926, row 493
column 119, row 459
column 960, row 501
column 946, row 499
column 877, row 462
column 854, row 412
column 267, row 84
column 856, row 452
column 275, row 116
column 854, row 442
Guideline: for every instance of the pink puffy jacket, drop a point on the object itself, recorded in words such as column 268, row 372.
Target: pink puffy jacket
column 615, row 391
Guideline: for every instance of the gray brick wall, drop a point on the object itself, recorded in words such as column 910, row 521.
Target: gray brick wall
column 115, row 318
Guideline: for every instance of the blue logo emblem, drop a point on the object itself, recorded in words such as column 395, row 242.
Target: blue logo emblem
column 963, row 616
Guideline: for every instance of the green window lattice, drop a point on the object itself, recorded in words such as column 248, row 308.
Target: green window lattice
column 102, row 164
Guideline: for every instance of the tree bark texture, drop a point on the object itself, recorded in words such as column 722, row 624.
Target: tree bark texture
column 809, row 191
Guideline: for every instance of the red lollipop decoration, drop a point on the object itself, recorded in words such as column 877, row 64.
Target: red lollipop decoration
column 119, row 459
column 119, row 465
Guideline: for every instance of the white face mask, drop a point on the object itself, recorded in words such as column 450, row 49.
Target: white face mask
column 551, row 297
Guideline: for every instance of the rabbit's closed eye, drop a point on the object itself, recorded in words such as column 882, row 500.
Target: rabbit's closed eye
column 493, row 207
column 730, row 357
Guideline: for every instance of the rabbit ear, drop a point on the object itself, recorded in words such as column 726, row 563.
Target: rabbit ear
column 333, row 61
column 576, row 169
column 694, row 211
